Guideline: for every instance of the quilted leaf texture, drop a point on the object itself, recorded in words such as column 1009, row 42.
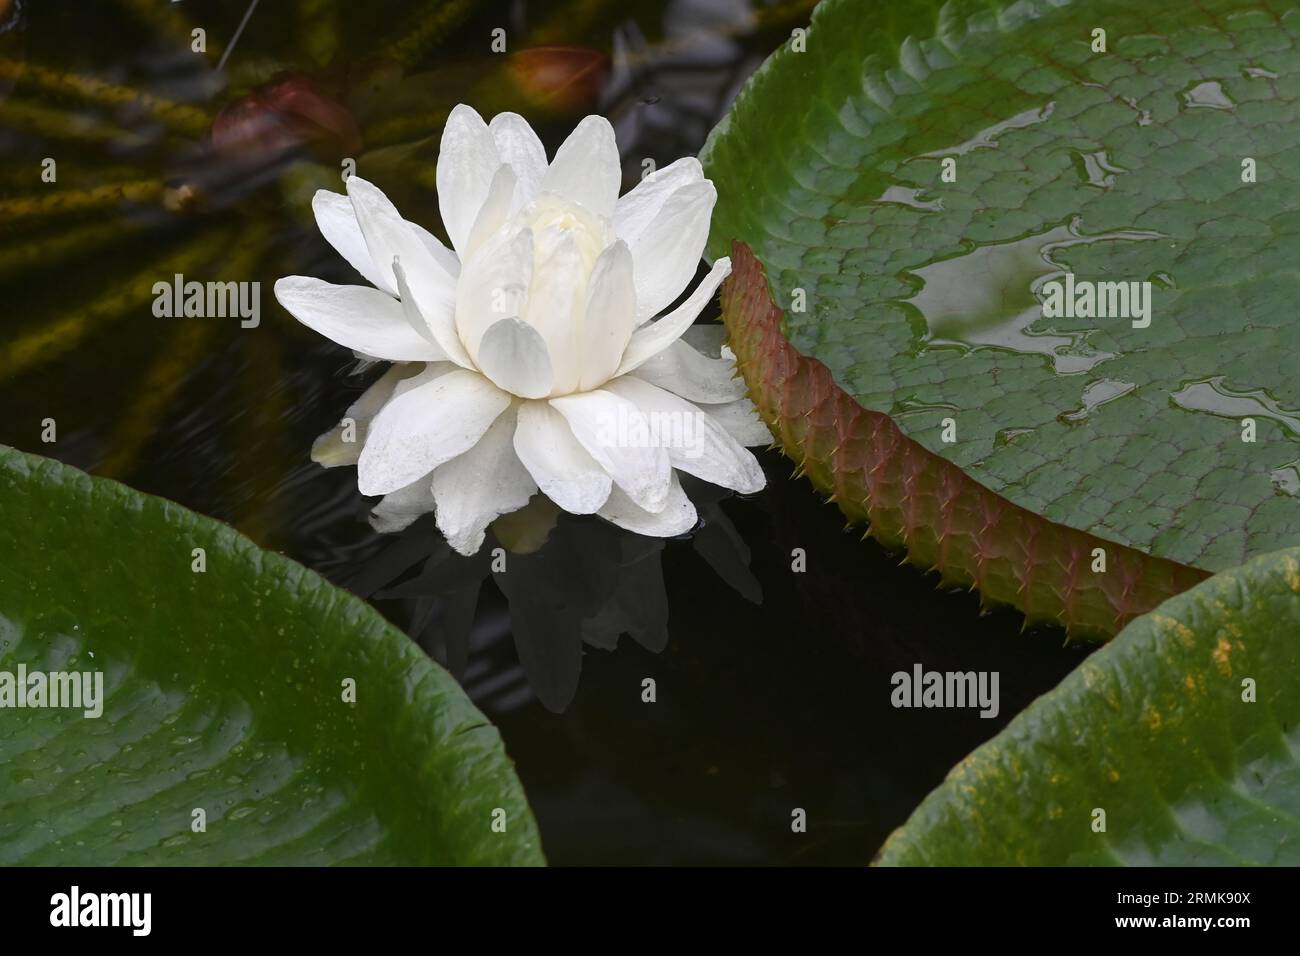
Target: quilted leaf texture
column 913, row 178
column 914, row 500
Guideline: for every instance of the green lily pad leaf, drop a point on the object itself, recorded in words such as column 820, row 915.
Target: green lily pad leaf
column 1168, row 160
column 228, row 729
column 914, row 500
column 1184, row 732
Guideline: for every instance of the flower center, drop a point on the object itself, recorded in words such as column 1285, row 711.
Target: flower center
column 555, row 221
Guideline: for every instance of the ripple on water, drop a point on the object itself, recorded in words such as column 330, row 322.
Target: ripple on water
column 911, row 197
column 1206, row 95
column 911, row 406
column 1097, row 168
column 1097, row 394
column 988, row 138
column 987, row 298
column 1213, row 396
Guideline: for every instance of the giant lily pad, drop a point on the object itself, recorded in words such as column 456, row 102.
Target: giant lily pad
column 1184, row 732
column 223, row 692
column 924, row 299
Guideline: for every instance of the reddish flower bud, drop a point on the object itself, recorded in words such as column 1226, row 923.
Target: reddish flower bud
column 560, row 79
column 11, row 15
column 290, row 111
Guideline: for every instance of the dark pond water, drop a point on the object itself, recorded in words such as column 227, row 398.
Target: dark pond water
column 772, row 686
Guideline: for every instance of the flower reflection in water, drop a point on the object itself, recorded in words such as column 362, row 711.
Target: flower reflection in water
column 587, row 583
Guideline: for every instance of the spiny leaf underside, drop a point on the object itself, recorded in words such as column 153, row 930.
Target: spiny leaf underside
column 914, row 501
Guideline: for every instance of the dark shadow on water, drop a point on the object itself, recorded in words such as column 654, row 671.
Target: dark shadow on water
column 759, row 708
column 764, row 709
column 587, row 585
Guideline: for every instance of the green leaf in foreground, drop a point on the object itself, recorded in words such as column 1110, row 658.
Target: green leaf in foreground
column 923, row 297
column 1153, row 729
column 224, row 693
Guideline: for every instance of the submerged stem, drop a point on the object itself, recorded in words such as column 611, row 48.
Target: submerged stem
column 179, row 117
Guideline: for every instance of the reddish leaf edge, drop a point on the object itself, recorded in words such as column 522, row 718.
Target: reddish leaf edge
column 921, row 505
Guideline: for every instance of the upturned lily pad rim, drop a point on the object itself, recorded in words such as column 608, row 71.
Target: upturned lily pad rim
column 1168, row 686
column 413, row 748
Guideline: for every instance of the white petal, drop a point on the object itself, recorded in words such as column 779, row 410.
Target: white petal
column 391, row 238
column 493, row 285
column 496, row 206
column 668, row 250
column 432, row 421
column 676, row 517
column 400, row 509
column 636, row 210
column 610, row 316
column 473, row 489
column 513, row 354
column 338, row 224
column 355, row 316
column 438, row 322
column 329, row 450
column 586, row 168
column 467, row 160
column 519, row 146
column 649, row 340
column 554, row 308
column 695, row 442
column 410, row 311
column 422, row 376
column 337, row 221
column 741, row 421
column 341, row 445
column 562, row 468
column 607, row 426
column 697, row 378
column 441, row 254
column 385, row 232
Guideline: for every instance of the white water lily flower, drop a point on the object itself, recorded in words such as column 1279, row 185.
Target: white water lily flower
column 530, row 357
